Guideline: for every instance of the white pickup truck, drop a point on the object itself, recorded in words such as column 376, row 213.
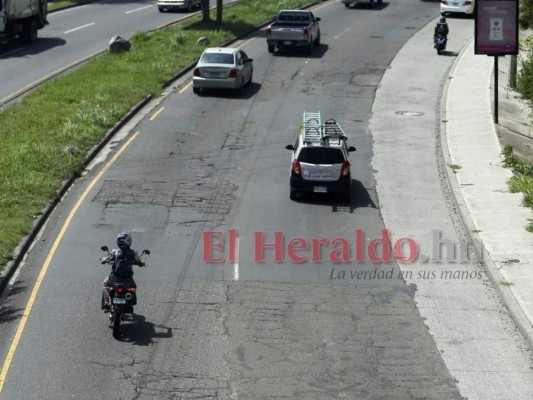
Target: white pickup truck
column 293, row 28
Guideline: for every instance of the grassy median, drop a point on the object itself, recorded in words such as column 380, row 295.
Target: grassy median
column 46, row 136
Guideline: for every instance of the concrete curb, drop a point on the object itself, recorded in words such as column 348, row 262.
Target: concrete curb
column 506, row 295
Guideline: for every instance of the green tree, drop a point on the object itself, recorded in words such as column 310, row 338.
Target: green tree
column 526, row 14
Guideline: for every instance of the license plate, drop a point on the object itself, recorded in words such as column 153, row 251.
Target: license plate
column 119, row 300
column 214, row 75
column 320, row 189
column 288, row 42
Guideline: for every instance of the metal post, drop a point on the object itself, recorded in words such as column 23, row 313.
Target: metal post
column 512, row 71
column 496, row 72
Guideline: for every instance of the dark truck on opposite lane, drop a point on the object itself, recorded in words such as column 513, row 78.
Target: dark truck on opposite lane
column 293, row 28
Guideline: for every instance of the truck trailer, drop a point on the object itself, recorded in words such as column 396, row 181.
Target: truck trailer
column 22, row 18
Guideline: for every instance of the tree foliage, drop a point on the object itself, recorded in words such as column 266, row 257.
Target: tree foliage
column 526, row 14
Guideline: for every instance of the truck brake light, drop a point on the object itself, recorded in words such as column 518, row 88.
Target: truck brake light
column 269, row 32
column 306, row 33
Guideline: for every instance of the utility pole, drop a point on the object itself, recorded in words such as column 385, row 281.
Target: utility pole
column 512, row 72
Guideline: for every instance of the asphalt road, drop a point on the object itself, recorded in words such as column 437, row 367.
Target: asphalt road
column 241, row 329
column 73, row 35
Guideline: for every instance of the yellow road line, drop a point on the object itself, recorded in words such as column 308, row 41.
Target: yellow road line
column 33, row 296
column 154, row 115
column 185, row 87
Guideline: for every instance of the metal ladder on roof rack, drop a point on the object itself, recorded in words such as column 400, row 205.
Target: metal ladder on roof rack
column 312, row 127
column 332, row 130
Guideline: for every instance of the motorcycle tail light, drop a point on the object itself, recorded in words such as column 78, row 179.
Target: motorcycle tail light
column 119, row 290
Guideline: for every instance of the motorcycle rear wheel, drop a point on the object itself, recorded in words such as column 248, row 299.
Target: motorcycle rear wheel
column 116, row 322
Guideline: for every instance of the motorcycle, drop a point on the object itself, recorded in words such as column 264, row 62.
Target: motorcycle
column 440, row 43
column 122, row 299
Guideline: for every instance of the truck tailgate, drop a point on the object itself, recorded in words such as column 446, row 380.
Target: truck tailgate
column 288, row 33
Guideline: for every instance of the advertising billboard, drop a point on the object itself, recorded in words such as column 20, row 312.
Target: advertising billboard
column 496, row 27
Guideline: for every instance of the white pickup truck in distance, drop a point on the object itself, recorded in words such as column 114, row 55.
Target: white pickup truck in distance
column 293, row 28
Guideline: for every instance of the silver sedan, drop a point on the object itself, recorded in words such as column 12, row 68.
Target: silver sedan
column 222, row 68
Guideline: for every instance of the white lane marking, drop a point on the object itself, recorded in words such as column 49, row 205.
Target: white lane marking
column 236, row 263
column 66, row 10
column 138, row 9
column 80, row 27
column 340, row 34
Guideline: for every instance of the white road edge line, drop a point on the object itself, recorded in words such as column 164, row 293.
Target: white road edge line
column 340, row 34
column 236, row 263
column 80, row 27
column 138, row 9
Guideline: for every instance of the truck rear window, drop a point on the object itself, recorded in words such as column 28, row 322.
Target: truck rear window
column 294, row 18
column 321, row 155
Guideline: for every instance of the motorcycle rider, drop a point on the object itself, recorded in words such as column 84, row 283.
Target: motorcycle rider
column 441, row 29
column 123, row 249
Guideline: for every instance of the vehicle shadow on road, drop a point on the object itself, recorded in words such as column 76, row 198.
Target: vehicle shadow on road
column 318, row 52
column 366, row 6
column 359, row 198
column 17, row 50
column 250, row 90
column 141, row 332
column 449, row 53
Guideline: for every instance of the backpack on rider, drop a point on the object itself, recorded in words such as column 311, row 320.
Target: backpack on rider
column 123, row 264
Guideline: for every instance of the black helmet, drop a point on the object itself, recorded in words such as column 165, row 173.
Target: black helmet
column 442, row 19
column 124, row 240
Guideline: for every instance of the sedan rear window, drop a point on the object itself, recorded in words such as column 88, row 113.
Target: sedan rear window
column 217, row 58
column 321, row 155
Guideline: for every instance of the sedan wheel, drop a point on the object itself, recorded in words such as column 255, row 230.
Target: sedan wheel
column 251, row 76
column 240, row 90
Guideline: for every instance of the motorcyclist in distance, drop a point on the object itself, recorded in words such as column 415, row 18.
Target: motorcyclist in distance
column 124, row 255
column 441, row 29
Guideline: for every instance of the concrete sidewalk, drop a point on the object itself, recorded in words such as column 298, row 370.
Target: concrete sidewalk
column 420, row 127
column 495, row 217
